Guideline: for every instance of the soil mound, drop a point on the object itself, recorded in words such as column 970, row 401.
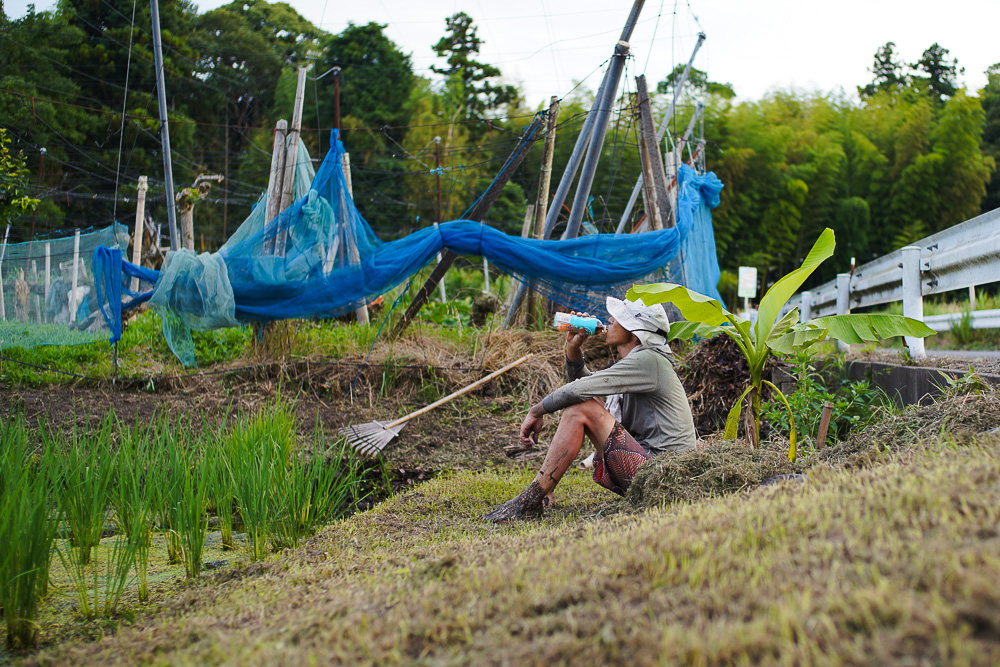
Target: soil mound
column 714, row 375
column 718, row 469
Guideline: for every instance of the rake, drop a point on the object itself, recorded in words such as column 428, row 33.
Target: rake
column 372, row 437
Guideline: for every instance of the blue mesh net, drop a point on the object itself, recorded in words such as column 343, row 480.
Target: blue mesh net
column 320, row 258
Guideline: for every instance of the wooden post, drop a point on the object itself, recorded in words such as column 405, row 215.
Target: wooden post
column 76, row 277
column 186, row 209
column 275, row 181
column 824, row 425
column 653, row 176
column 291, row 158
column 972, row 298
column 140, row 217
column 478, row 213
column 3, row 253
column 361, row 313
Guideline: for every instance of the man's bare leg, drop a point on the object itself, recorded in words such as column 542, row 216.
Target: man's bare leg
column 588, row 419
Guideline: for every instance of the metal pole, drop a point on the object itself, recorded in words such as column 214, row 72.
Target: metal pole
column 437, row 173
column 843, row 303
column 596, row 142
column 161, row 93
column 662, row 130
column 336, row 97
column 574, row 163
column 913, row 300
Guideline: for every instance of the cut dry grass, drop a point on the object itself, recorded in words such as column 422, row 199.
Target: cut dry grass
column 707, row 471
column 887, row 565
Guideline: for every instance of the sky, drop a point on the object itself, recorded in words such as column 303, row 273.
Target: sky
column 548, row 46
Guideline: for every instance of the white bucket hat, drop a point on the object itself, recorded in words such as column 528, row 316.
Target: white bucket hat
column 649, row 323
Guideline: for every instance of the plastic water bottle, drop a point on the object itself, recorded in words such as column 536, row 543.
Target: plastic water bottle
column 578, row 323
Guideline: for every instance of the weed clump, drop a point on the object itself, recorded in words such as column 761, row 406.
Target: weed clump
column 967, row 408
column 719, row 469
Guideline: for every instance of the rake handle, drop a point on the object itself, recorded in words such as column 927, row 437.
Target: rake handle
column 461, row 391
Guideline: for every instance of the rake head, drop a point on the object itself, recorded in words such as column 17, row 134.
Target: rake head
column 370, row 438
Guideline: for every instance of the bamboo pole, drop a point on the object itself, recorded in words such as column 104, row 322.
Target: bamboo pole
column 653, row 176
column 291, row 159
column 274, row 182
column 3, row 253
column 361, row 313
column 140, row 216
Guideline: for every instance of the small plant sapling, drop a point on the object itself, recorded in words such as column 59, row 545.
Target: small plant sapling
column 707, row 317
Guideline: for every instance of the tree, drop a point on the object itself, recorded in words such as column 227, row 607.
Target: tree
column 376, row 80
column 14, row 198
column 989, row 97
column 469, row 82
column 940, row 75
column 887, row 72
column 697, row 80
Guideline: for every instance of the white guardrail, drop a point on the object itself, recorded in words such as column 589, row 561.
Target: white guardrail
column 962, row 256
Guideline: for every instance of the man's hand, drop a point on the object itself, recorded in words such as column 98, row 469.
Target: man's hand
column 532, row 425
column 574, row 340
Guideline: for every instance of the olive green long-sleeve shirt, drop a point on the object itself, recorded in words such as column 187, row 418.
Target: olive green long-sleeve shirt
column 655, row 409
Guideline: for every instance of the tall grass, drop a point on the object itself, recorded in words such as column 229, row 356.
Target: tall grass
column 27, row 533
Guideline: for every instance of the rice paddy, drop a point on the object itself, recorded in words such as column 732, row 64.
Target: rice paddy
column 91, row 504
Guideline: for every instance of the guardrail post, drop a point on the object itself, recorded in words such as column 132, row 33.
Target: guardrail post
column 843, row 303
column 913, row 300
column 805, row 310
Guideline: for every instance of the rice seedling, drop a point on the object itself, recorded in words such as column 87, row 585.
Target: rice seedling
column 167, row 476
column 188, row 514
column 257, row 452
column 84, row 480
column 221, row 494
column 27, row 533
column 134, row 497
column 255, row 468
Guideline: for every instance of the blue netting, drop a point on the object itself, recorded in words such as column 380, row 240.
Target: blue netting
column 319, row 258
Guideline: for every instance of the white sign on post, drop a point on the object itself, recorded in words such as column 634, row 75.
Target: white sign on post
column 748, row 282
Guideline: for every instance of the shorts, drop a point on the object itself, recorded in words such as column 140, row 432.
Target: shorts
column 622, row 457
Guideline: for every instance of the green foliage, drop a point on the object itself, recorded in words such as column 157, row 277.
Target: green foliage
column 855, row 402
column 26, row 533
column 13, row 182
column 707, row 317
column 468, row 81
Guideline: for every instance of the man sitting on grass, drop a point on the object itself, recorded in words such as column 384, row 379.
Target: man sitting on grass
column 655, row 415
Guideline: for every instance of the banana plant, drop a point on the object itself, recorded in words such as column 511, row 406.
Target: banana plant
column 707, row 317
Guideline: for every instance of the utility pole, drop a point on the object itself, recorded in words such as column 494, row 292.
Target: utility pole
column 478, row 213
column 161, row 94
column 38, row 187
